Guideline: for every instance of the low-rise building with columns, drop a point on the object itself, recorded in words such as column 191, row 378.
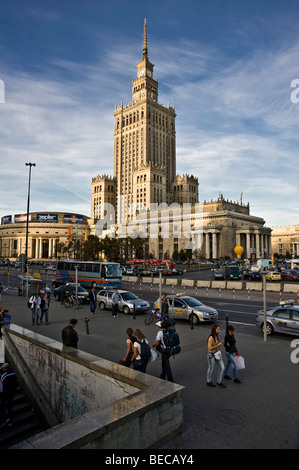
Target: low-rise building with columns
column 45, row 230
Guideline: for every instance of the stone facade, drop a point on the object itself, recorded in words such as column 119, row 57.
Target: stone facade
column 286, row 240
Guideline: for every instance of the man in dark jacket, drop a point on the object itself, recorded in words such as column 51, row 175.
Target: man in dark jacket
column 8, row 387
column 69, row 334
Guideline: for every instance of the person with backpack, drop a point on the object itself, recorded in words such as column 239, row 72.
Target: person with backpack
column 161, row 347
column 141, row 351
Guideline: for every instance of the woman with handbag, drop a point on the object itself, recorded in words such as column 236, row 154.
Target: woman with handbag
column 214, row 355
column 231, row 352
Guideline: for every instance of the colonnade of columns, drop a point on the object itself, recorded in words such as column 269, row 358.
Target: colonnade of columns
column 254, row 242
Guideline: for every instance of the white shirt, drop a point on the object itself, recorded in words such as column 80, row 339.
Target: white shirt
column 159, row 337
column 138, row 346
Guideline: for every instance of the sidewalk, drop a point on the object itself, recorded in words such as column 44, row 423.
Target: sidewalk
column 261, row 412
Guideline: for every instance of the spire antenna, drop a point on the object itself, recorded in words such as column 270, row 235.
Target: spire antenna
column 145, row 50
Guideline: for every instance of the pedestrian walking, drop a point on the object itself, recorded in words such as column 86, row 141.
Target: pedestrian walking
column 127, row 360
column 115, row 301
column 214, row 355
column 141, row 351
column 231, row 351
column 69, row 334
column 8, row 387
column 92, row 301
column 1, row 289
column 44, row 309
column 32, row 302
column 160, row 346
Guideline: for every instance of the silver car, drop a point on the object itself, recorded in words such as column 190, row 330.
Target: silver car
column 181, row 307
column 127, row 301
column 281, row 319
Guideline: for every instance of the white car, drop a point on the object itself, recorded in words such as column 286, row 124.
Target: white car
column 127, row 301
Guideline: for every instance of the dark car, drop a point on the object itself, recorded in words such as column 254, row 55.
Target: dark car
column 60, row 281
column 252, row 275
column 177, row 271
column 60, row 291
column 290, row 275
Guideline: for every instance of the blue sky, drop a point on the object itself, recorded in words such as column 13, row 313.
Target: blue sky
column 227, row 66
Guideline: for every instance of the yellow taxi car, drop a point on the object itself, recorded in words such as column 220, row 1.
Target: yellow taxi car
column 273, row 276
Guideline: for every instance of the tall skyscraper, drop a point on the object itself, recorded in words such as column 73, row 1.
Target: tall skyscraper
column 144, row 153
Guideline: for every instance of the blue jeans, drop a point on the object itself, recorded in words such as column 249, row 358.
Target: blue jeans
column 45, row 312
column 231, row 361
column 211, row 363
column 93, row 306
column 35, row 311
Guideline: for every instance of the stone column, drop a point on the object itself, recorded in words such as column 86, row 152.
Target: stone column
column 207, row 245
column 214, row 247
column 248, row 245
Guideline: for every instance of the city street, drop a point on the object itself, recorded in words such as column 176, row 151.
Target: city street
column 261, row 412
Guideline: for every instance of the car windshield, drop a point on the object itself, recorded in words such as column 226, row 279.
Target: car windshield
column 191, row 302
column 128, row 296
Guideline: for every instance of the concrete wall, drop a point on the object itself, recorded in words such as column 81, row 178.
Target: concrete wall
column 100, row 403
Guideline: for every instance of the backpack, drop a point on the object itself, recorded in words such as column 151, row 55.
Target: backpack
column 172, row 341
column 145, row 351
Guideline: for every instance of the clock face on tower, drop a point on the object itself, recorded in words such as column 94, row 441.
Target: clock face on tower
column 149, row 73
column 141, row 73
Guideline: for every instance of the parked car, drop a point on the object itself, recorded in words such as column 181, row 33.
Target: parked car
column 273, row 276
column 252, row 275
column 181, row 307
column 129, row 271
column 281, row 319
column 290, row 275
column 60, row 291
column 127, row 301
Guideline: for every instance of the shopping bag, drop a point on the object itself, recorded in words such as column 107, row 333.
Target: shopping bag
column 154, row 356
column 240, row 362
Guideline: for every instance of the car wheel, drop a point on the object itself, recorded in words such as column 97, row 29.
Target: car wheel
column 269, row 329
column 126, row 310
column 195, row 319
column 102, row 305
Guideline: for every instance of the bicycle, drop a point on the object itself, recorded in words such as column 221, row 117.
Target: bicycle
column 72, row 301
column 157, row 315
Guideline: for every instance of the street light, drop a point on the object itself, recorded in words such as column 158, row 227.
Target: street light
column 28, row 202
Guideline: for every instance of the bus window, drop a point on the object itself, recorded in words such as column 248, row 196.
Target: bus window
column 96, row 268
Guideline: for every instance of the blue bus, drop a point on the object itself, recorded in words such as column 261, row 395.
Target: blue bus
column 98, row 274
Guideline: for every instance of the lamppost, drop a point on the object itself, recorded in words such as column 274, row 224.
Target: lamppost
column 28, row 202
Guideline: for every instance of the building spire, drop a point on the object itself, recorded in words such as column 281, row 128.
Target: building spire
column 145, row 50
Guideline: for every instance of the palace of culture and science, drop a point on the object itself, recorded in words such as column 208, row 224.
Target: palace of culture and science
column 145, row 176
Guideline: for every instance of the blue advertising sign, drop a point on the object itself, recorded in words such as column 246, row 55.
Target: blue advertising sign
column 46, row 217
column 7, row 219
column 73, row 219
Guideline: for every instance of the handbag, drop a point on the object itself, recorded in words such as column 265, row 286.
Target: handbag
column 218, row 355
column 240, row 362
